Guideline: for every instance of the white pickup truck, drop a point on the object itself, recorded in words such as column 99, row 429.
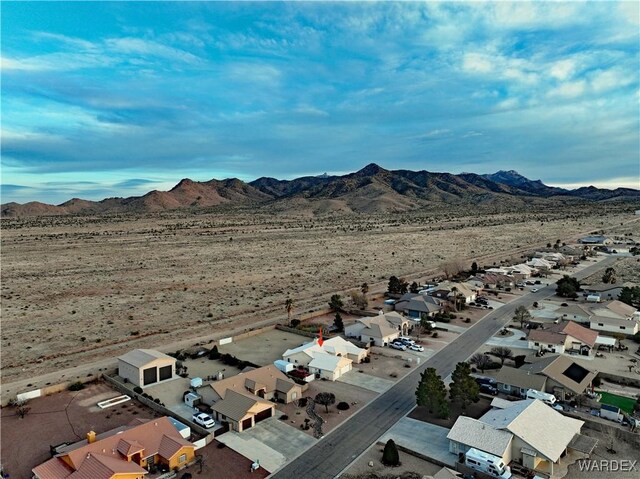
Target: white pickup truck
column 204, row 420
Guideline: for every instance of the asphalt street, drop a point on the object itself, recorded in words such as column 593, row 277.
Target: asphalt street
column 333, row 453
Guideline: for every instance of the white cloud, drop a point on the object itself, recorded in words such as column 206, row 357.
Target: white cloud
column 562, row 69
column 141, row 46
column 568, row 89
column 604, row 80
column 477, row 63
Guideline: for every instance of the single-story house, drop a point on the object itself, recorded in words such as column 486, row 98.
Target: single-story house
column 555, row 374
column 596, row 239
column 527, row 432
column 380, row 329
column 614, row 325
column 329, row 366
column 120, row 453
column 415, row 305
column 336, row 346
column 519, row 271
column 516, row 382
column 247, row 398
column 539, row 264
column 575, row 312
column 616, row 309
column 496, row 280
column 564, row 337
column 467, row 290
column 144, row 367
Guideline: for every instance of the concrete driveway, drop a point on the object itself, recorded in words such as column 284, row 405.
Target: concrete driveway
column 514, row 341
column 366, row 381
column 273, row 442
column 424, row 438
column 170, row 393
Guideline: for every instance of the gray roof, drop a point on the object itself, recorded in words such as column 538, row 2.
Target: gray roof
column 142, row 357
column 236, row 405
column 521, row 378
column 474, row 433
column 540, row 426
column 417, row 304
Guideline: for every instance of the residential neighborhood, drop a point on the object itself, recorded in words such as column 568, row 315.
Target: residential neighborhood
column 268, row 395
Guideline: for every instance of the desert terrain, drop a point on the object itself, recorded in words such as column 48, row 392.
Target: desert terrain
column 75, row 288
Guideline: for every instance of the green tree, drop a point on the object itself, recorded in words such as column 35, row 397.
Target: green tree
column 336, row 303
column 501, row 352
column 426, row 323
column 567, row 287
column 481, row 361
column 522, row 315
column 414, row 288
column 390, row 455
column 474, row 268
column 609, row 276
column 630, row 296
column 364, row 288
column 337, row 321
column 432, row 393
column 359, row 300
column 288, row 306
column 394, row 285
column 463, row 389
column 325, row 399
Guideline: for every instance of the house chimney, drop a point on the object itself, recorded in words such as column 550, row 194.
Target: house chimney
column 91, row 437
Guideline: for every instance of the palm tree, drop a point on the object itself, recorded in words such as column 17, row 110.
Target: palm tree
column 288, row 305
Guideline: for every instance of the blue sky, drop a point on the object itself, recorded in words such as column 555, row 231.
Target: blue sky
column 116, row 99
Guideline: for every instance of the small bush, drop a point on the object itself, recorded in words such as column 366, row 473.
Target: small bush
column 435, row 334
column 390, row 456
column 137, row 390
column 76, row 386
column 342, row 406
column 467, row 320
column 367, row 360
column 302, row 402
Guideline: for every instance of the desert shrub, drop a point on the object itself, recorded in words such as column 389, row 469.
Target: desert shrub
column 435, row 334
column 156, row 400
column 467, row 320
column 137, row 390
column 367, row 359
column 342, row 406
column 77, row 386
column 302, row 402
column 295, row 323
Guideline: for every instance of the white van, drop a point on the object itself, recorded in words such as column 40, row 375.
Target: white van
column 547, row 398
column 487, row 463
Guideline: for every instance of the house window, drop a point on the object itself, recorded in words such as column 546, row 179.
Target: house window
column 537, row 344
column 600, row 324
column 623, row 327
column 182, row 458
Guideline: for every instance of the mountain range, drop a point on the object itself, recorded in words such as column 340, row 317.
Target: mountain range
column 371, row 189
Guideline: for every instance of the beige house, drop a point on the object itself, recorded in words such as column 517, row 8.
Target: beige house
column 144, row 367
column 616, row 309
column 336, row 346
column 555, row 374
column 614, row 325
column 526, row 432
column 379, row 330
column 247, row 398
column 564, row 337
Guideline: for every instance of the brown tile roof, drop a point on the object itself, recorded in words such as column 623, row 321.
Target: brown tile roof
column 620, row 308
column 169, row 446
column 237, row 405
column 106, row 453
column 546, row 336
column 268, row 377
column 584, row 335
column 53, row 469
column 564, row 371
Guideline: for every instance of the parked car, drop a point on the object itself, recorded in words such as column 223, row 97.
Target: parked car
column 488, row 389
column 399, row 346
column 204, row 420
column 534, row 290
column 484, row 380
column 558, row 407
column 406, row 340
column 416, row 347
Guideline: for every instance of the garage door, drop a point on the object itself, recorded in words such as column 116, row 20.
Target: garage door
column 165, row 372
column 264, row 414
column 246, row 424
column 345, row 369
column 150, row 376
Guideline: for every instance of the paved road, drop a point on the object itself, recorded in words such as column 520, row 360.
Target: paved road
column 337, row 450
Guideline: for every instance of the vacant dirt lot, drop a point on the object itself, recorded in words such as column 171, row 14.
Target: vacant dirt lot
column 75, row 289
column 65, row 417
column 408, row 463
column 264, row 348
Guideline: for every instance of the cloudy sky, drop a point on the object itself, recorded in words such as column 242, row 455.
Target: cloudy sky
column 116, row 99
